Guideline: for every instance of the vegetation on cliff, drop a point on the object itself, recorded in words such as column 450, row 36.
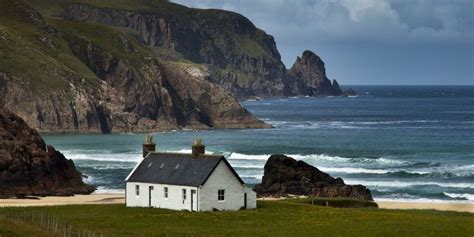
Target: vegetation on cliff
column 139, row 66
column 70, row 76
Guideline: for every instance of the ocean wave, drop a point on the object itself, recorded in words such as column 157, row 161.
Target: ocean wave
column 247, row 166
column 418, row 200
column 400, row 184
column 350, row 170
column 119, row 157
column 464, row 196
column 102, row 190
column 354, row 124
column 98, row 155
column 321, row 157
column 108, row 166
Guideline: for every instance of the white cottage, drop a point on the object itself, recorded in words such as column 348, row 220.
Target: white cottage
column 193, row 182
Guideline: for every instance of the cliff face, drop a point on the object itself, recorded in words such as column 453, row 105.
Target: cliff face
column 29, row 167
column 241, row 58
column 63, row 76
column 284, row 175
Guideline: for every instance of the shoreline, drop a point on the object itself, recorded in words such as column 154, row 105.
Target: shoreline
column 119, row 198
column 439, row 206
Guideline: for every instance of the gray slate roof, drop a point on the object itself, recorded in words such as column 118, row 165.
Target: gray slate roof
column 177, row 169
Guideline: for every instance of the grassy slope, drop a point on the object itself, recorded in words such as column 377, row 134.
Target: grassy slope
column 273, row 218
column 12, row 229
column 48, row 62
column 247, row 45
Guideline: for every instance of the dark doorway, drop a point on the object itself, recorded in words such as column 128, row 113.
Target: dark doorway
column 150, row 191
column 245, row 200
column 193, row 194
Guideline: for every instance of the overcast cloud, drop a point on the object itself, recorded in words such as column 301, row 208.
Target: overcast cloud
column 370, row 41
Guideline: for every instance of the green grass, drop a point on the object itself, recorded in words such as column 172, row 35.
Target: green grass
column 336, row 202
column 40, row 60
column 250, row 47
column 272, row 218
column 14, row 229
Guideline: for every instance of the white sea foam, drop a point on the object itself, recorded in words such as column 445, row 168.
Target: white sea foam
column 247, row 166
column 419, row 200
column 101, row 190
column 400, row 184
column 350, row 170
column 114, row 157
column 466, row 196
column 239, row 156
column 343, row 124
column 320, row 157
column 123, row 157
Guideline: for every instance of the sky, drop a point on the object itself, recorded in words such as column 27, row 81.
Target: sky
column 370, row 42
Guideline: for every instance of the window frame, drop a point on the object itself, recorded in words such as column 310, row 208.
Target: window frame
column 184, row 196
column 137, row 190
column 165, row 192
column 221, row 196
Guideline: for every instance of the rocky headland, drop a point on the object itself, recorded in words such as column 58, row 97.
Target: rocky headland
column 29, row 167
column 85, row 66
column 284, row 176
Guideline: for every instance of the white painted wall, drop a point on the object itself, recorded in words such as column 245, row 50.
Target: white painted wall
column 205, row 199
column 174, row 200
column 223, row 178
column 251, row 198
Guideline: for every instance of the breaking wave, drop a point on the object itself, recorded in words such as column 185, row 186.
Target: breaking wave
column 463, row 196
column 402, row 184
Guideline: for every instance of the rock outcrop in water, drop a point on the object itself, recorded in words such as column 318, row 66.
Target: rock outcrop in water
column 29, row 167
column 284, row 175
column 308, row 77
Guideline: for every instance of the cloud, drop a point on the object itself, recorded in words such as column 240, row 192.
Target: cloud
column 361, row 20
column 370, row 41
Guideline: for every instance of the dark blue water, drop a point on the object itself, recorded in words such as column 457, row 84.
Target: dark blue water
column 410, row 143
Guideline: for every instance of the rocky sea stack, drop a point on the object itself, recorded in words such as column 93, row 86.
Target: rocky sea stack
column 29, row 167
column 308, row 77
column 284, row 175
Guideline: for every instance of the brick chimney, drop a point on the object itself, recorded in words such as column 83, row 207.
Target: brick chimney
column 148, row 146
column 198, row 148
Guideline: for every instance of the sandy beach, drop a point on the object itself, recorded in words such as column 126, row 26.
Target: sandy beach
column 117, row 198
column 73, row 200
column 460, row 207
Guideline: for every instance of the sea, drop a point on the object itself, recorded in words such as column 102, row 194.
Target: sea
column 405, row 143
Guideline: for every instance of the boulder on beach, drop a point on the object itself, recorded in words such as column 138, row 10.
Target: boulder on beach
column 29, row 167
column 284, row 175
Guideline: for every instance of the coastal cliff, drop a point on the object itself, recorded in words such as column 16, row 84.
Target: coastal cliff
column 29, row 167
column 141, row 66
column 240, row 57
column 284, row 175
column 63, row 76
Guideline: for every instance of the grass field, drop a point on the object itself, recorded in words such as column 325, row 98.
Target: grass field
column 272, row 218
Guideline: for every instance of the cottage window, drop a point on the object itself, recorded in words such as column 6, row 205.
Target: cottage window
column 137, row 190
column 184, row 194
column 221, row 195
column 165, row 192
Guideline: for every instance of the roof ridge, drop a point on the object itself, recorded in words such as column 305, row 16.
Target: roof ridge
column 181, row 154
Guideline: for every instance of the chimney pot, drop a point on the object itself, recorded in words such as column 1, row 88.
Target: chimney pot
column 198, row 148
column 148, row 145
